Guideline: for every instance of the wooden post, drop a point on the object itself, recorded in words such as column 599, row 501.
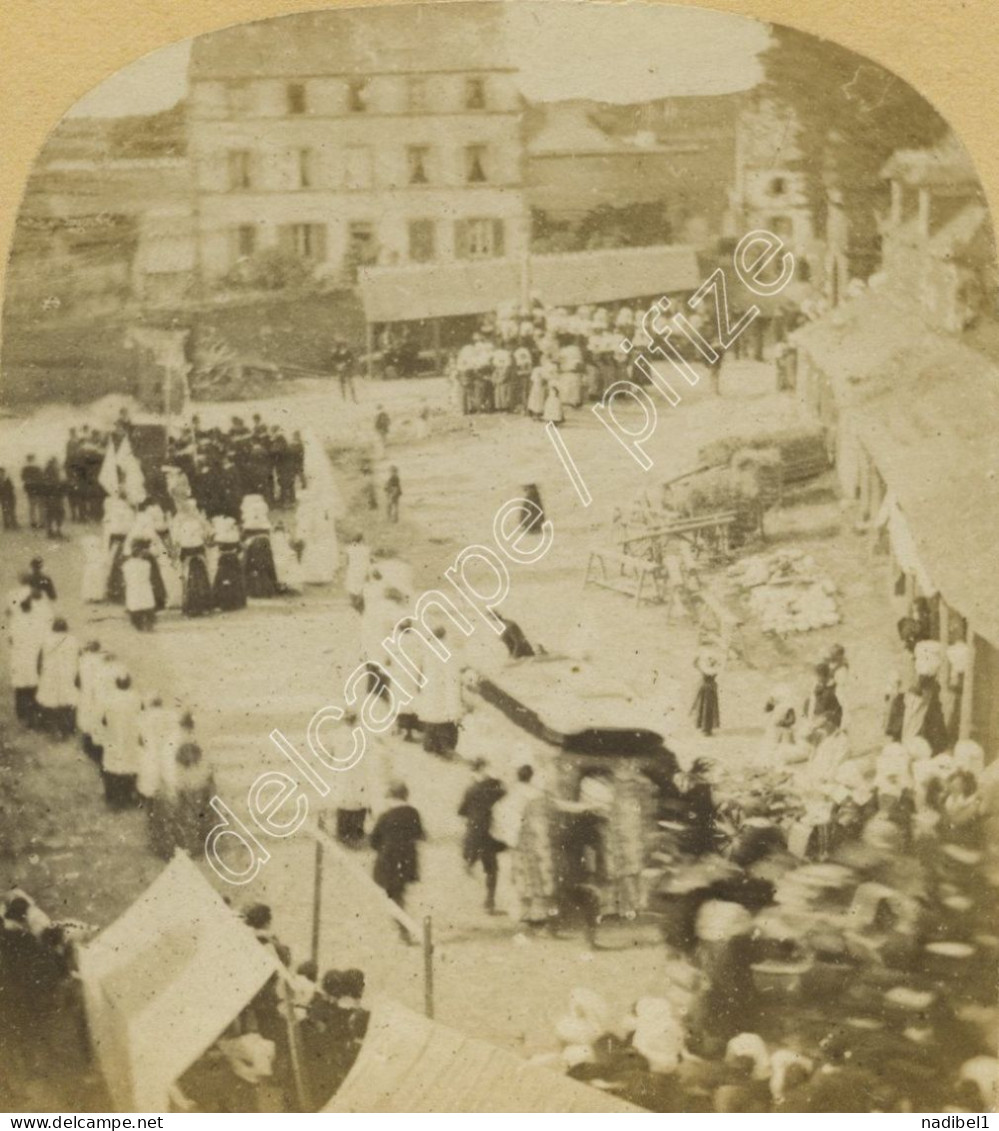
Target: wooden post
column 317, row 902
column 437, row 345
column 968, row 689
column 369, row 338
column 302, row 1093
column 428, row 967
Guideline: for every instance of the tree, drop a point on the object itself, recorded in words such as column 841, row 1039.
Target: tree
column 853, row 114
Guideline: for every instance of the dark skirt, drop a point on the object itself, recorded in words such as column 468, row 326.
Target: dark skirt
column 25, row 707
column 197, row 599
column 119, row 790
column 705, row 707
column 261, row 576
column 116, row 578
column 350, row 826
column 229, row 589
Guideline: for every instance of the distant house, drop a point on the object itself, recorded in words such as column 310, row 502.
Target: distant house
column 357, row 136
column 769, row 189
column 677, row 152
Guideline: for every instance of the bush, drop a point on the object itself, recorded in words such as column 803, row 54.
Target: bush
column 270, row 270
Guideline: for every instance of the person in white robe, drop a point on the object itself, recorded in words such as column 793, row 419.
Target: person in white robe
column 121, row 760
column 140, row 597
column 160, row 736
column 438, row 703
column 26, row 631
column 88, row 709
column 315, row 525
column 358, row 564
column 57, row 694
column 286, row 564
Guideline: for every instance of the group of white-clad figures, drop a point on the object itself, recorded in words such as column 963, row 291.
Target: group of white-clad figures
column 538, row 359
column 150, row 560
column 145, row 748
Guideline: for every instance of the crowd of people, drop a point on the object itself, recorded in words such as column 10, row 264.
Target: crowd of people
column 147, row 752
column 197, row 532
column 540, row 360
column 253, row 1067
column 248, row 1068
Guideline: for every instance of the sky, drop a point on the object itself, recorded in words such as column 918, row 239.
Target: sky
column 623, row 52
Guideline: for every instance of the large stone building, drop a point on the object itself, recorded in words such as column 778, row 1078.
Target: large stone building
column 354, row 136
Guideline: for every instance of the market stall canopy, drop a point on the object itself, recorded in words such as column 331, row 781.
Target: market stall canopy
column 164, row 981
column 409, row 1063
column 567, row 703
column 931, row 433
column 445, row 290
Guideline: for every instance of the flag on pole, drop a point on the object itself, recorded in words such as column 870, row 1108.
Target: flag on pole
column 135, row 481
column 108, row 478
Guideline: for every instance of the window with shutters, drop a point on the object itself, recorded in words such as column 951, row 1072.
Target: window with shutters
column 475, row 164
column 240, row 169
column 358, row 167
column 479, row 238
column 306, row 168
column 421, row 241
column 417, row 160
column 357, row 95
column 475, row 94
column 363, row 248
column 295, row 95
column 307, row 241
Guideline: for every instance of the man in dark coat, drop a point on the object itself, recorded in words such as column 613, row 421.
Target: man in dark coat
column 394, row 839
column 479, row 844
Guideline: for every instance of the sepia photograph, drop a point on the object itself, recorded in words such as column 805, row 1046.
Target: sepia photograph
column 499, row 505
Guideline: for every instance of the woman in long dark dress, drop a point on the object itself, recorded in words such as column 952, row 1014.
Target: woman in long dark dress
column 197, row 588
column 706, row 709
column 261, row 574
column 229, row 587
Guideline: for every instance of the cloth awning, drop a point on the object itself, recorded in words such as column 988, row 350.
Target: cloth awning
column 903, row 545
column 408, row 1063
column 562, row 700
column 444, row 290
column 163, row 982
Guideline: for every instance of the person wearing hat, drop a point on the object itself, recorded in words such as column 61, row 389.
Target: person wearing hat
column 40, row 581
column 395, row 838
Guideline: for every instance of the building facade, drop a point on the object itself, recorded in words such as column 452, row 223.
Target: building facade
column 357, row 136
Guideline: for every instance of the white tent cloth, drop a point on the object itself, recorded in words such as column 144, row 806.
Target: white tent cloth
column 164, row 980
column 903, row 545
